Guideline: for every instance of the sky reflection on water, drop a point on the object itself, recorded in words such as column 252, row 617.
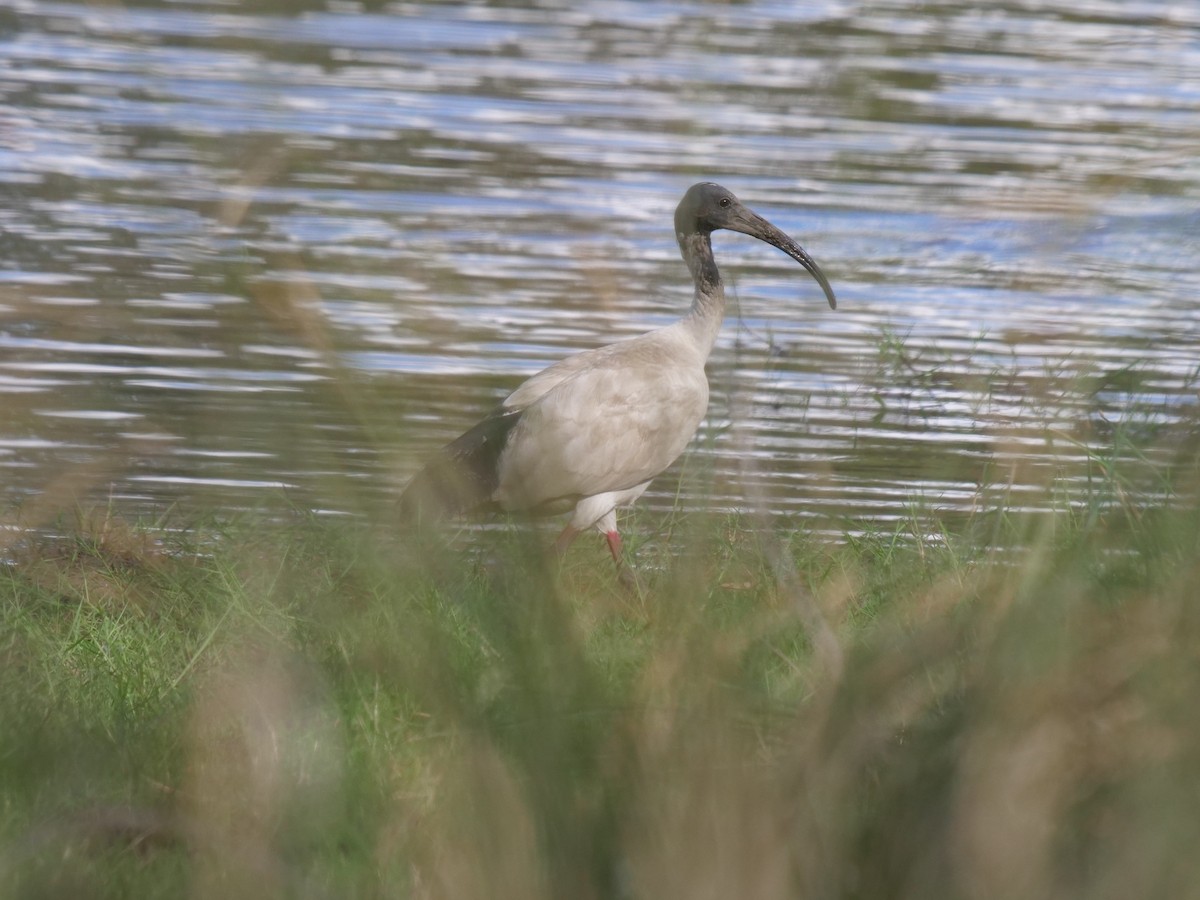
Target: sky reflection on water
column 291, row 244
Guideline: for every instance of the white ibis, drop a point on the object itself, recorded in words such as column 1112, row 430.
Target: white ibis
column 594, row 429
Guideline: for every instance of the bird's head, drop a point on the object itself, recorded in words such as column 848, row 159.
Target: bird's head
column 707, row 207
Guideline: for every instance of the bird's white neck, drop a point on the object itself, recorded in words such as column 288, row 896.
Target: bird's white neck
column 708, row 305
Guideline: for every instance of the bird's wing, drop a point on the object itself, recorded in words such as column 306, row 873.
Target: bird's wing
column 605, row 427
column 463, row 474
column 538, row 386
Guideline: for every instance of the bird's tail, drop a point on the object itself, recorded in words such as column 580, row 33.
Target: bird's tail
column 462, row 476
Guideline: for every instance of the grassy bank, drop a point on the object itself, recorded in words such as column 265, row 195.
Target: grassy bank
column 325, row 709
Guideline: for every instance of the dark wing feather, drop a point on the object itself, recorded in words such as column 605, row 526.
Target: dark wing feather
column 462, row 476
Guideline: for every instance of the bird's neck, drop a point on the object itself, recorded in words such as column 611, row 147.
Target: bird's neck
column 708, row 304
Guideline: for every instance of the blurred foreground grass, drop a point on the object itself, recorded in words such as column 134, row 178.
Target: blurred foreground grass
column 331, row 709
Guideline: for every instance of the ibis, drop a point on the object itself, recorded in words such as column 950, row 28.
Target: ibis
column 592, row 431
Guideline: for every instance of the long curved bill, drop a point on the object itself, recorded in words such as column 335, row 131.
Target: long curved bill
column 756, row 226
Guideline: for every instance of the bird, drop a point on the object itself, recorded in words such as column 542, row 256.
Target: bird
column 589, row 433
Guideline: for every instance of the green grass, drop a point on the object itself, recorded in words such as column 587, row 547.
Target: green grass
column 319, row 708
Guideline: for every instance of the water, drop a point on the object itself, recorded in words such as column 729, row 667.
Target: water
column 265, row 252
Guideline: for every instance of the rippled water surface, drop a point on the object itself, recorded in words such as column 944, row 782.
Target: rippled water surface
column 253, row 252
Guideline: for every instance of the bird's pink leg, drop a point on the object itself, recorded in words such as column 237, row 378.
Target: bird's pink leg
column 614, row 545
column 624, row 574
column 564, row 539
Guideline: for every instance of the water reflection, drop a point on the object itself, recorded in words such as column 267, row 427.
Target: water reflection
column 274, row 253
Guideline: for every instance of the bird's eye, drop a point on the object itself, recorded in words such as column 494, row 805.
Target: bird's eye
column 724, row 201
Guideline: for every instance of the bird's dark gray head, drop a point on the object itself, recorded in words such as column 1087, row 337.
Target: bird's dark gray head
column 707, row 207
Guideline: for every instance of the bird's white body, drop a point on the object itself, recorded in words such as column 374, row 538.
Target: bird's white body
column 591, row 431
column 598, row 426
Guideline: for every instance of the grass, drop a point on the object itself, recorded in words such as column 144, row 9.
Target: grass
column 321, row 708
